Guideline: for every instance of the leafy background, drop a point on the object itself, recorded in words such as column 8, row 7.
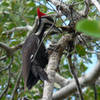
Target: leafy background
column 16, row 13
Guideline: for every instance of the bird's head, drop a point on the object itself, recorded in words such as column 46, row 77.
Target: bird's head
column 43, row 18
column 40, row 14
column 45, row 22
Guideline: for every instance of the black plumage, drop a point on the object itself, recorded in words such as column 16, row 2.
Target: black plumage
column 33, row 69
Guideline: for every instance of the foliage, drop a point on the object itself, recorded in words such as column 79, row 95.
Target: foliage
column 15, row 13
column 89, row 27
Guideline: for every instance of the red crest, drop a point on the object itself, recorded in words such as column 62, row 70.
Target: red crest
column 40, row 14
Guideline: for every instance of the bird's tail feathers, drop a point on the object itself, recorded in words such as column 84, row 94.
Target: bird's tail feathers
column 32, row 80
column 43, row 75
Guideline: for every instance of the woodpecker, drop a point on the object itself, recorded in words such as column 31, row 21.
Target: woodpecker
column 33, row 68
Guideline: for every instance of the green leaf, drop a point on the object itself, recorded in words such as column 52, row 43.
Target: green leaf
column 5, row 3
column 89, row 27
column 30, row 4
column 80, row 50
column 83, row 67
column 59, row 22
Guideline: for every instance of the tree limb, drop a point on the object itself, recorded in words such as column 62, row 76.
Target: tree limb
column 10, row 50
column 9, row 77
column 85, row 80
column 72, row 67
column 61, row 80
column 24, row 28
column 16, row 85
column 65, row 9
column 3, row 58
column 52, row 66
column 95, row 92
column 96, row 3
column 3, row 69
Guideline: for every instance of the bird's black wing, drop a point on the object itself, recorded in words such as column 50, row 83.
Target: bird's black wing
column 29, row 48
column 42, row 56
column 33, row 68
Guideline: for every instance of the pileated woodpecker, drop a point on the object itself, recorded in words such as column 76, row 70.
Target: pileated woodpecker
column 33, row 69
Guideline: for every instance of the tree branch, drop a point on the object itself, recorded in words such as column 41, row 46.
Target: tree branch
column 10, row 50
column 96, row 3
column 85, row 11
column 52, row 66
column 31, row 29
column 3, row 58
column 3, row 69
column 85, row 80
column 9, row 77
column 16, row 85
column 95, row 92
column 61, row 80
column 21, row 28
column 65, row 9
column 72, row 67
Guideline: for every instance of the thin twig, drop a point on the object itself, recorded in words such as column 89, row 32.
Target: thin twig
column 3, row 58
column 71, row 66
column 3, row 69
column 57, row 12
column 95, row 91
column 93, row 52
column 16, row 85
column 9, row 77
column 84, row 41
column 25, row 28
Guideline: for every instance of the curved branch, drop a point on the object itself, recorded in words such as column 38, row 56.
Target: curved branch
column 61, row 80
column 10, row 50
column 9, row 77
column 85, row 80
column 52, row 66
column 4, row 46
column 21, row 28
column 19, row 46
